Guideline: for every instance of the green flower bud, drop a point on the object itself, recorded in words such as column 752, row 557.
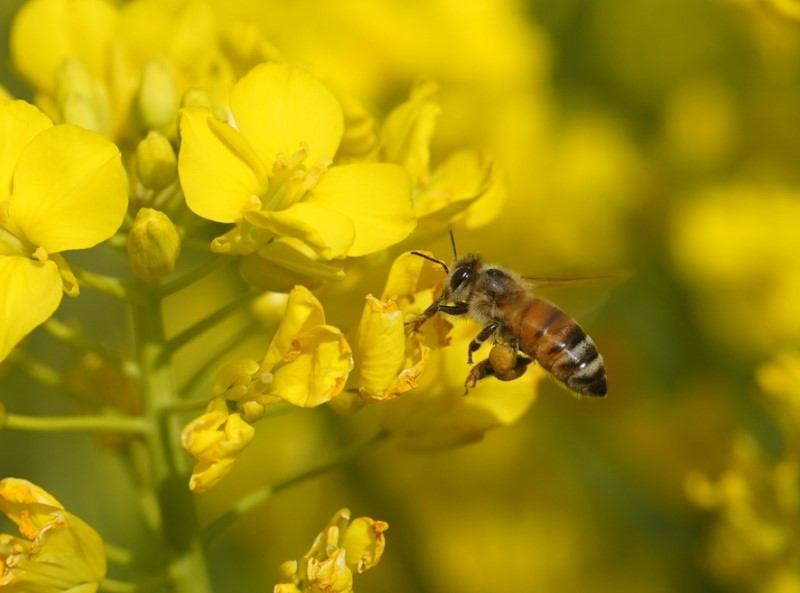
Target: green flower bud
column 153, row 245
column 155, row 161
column 158, row 99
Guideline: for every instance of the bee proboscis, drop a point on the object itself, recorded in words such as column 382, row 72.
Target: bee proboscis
column 524, row 327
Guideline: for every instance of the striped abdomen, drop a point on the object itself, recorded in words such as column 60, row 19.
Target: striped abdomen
column 560, row 346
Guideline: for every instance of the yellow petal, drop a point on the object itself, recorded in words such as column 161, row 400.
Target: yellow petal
column 379, row 346
column 286, row 262
column 407, row 133
column 27, row 505
column 219, row 170
column 19, row 123
column 277, row 106
column 70, row 189
column 376, row 197
column 363, row 542
column 45, row 32
column 437, row 414
column 315, row 368
column 30, row 295
column 303, row 311
column 329, row 233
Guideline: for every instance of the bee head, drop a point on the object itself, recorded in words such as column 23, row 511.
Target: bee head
column 461, row 280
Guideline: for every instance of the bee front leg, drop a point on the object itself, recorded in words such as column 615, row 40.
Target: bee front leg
column 433, row 309
column 482, row 336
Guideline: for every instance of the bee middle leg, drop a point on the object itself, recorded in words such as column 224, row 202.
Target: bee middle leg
column 482, row 336
column 505, row 362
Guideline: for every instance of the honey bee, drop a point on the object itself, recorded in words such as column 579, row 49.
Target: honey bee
column 524, row 327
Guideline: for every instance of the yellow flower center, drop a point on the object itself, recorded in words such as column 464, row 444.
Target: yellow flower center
column 291, row 179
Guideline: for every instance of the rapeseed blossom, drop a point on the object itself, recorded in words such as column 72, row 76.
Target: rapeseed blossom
column 306, row 364
column 344, row 548
column 62, row 189
column 57, row 552
column 273, row 174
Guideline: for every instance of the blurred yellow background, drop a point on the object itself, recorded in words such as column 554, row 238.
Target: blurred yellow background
column 657, row 137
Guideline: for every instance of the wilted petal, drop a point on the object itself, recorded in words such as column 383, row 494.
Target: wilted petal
column 364, row 542
column 437, row 414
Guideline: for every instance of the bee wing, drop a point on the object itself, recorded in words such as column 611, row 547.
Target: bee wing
column 577, row 295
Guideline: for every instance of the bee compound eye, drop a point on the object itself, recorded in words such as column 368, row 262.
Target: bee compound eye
column 460, row 276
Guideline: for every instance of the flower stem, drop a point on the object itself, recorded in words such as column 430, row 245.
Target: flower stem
column 109, row 285
column 259, row 497
column 120, row 424
column 208, row 322
column 168, row 464
column 202, row 271
column 77, row 340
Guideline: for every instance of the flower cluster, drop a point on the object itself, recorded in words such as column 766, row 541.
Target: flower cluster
column 57, row 551
column 344, row 548
column 755, row 499
column 182, row 142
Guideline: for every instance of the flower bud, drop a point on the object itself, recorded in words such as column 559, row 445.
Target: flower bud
column 156, row 162
column 158, row 98
column 79, row 100
column 153, row 245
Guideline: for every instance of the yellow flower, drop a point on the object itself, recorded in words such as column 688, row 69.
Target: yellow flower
column 306, row 364
column 59, row 553
column 466, row 187
column 437, row 413
column 215, row 439
column 272, row 174
column 343, row 548
column 63, row 188
column 388, row 363
column 95, row 65
column 737, row 248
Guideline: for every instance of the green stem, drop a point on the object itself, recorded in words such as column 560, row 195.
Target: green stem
column 109, row 285
column 120, row 424
column 168, row 463
column 202, row 271
column 259, row 497
column 208, row 322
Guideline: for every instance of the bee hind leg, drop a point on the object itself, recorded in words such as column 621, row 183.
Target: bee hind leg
column 505, row 362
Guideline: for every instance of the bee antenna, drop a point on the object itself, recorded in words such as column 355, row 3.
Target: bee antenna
column 433, row 259
column 453, row 243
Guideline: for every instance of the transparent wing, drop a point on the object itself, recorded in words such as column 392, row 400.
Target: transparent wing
column 577, row 295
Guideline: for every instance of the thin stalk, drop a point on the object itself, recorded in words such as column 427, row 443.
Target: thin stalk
column 204, row 270
column 168, row 463
column 208, row 322
column 259, row 497
column 108, row 285
column 120, row 424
